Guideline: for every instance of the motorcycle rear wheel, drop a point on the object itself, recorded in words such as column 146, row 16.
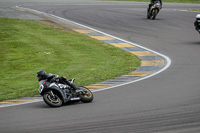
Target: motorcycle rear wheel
column 52, row 101
column 88, row 97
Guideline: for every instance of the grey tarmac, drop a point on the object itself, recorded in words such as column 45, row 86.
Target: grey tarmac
column 165, row 103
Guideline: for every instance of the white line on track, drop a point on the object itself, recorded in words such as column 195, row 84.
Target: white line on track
column 15, row 104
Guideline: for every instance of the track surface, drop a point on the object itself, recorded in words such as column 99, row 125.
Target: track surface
column 165, row 103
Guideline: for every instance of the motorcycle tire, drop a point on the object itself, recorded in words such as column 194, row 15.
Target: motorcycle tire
column 154, row 14
column 88, row 97
column 52, row 101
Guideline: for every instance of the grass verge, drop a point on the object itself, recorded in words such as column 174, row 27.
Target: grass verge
column 28, row 46
column 173, row 1
column 197, row 10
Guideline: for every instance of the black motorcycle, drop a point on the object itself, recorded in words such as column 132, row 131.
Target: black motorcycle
column 56, row 94
column 154, row 10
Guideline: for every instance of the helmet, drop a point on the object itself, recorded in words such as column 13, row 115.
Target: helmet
column 41, row 75
column 198, row 17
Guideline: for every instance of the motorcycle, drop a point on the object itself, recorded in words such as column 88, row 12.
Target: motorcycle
column 56, row 94
column 154, row 10
column 197, row 23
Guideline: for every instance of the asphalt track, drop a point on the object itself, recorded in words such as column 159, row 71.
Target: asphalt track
column 165, row 103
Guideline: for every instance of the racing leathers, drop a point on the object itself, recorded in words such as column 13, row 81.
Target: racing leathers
column 197, row 23
column 152, row 2
column 52, row 78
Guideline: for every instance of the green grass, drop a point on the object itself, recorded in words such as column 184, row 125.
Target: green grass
column 198, row 10
column 174, row 1
column 28, row 46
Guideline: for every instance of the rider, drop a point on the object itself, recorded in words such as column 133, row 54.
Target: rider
column 197, row 22
column 41, row 75
column 152, row 2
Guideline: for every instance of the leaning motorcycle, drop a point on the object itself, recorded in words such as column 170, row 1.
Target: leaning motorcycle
column 197, row 23
column 154, row 10
column 56, row 94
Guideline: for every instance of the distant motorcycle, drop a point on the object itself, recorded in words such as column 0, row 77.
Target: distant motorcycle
column 154, row 10
column 197, row 23
column 56, row 94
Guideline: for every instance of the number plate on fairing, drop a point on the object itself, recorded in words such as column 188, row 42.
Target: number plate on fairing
column 41, row 88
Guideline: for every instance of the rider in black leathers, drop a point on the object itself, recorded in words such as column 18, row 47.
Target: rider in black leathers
column 41, row 75
column 197, row 23
column 152, row 2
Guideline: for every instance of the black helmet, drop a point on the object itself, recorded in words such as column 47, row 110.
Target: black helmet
column 41, row 75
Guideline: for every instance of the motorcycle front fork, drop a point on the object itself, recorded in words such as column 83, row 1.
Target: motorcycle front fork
column 51, row 94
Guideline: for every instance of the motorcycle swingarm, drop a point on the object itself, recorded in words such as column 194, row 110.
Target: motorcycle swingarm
column 81, row 91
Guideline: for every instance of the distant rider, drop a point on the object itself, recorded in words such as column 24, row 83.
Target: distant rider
column 152, row 2
column 41, row 75
column 197, row 23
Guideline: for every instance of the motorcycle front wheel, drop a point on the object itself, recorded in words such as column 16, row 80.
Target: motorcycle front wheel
column 53, row 101
column 154, row 13
column 86, row 97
